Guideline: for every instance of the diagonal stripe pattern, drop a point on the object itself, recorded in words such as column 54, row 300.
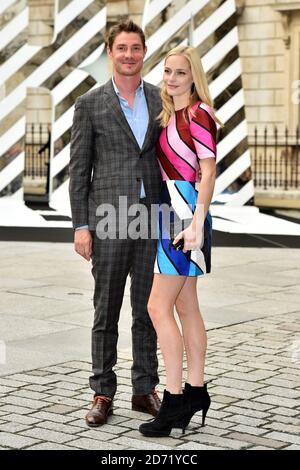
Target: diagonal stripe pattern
column 216, row 36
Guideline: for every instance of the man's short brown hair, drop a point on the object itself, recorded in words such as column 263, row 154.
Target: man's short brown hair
column 124, row 26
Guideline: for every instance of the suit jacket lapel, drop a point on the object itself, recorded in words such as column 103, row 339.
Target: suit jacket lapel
column 114, row 105
column 150, row 102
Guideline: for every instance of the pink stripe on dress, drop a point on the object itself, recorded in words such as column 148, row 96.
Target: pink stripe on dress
column 202, row 134
column 209, row 110
column 202, row 151
column 181, row 148
column 206, row 107
column 181, row 166
column 163, row 173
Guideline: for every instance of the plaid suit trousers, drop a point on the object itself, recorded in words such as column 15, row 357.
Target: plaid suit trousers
column 112, row 261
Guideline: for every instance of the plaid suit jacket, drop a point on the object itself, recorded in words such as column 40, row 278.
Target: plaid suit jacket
column 106, row 161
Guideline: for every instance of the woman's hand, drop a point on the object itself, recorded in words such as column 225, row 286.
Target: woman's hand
column 192, row 238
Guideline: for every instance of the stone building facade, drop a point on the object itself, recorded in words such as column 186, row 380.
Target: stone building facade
column 269, row 33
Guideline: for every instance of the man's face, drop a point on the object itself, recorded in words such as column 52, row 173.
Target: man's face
column 127, row 54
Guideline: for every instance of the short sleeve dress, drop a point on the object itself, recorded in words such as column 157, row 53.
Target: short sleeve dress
column 185, row 141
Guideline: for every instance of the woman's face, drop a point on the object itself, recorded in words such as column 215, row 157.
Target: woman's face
column 178, row 76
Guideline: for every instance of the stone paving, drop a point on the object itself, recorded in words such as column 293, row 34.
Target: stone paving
column 255, row 393
column 253, row 358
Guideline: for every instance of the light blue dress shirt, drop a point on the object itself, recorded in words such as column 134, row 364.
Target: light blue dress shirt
column 137, row 118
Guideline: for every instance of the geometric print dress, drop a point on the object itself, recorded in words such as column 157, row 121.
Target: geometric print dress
column 185, row 141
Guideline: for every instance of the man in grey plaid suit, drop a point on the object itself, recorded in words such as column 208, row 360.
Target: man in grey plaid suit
column 113, row 154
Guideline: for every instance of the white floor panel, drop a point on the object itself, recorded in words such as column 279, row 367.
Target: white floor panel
column 246, row 219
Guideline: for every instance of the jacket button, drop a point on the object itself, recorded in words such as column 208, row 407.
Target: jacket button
column 138, row 179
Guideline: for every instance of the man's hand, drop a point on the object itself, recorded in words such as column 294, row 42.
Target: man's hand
column 83, row 243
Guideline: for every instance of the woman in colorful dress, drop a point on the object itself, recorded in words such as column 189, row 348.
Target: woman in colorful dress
column 186, row 154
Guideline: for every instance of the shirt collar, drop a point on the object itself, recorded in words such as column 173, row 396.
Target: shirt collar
column 139, row 88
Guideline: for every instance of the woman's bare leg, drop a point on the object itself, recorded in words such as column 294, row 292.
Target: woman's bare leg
column 165, row 290
column 193, row 329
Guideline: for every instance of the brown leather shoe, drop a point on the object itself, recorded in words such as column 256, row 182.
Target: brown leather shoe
column 101, row 409
column 146, row 403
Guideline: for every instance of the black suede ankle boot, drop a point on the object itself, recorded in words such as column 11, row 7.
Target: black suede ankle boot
column 198, row 399
column 174, row 408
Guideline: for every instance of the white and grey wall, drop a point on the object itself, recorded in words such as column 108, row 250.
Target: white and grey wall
column 72, row 48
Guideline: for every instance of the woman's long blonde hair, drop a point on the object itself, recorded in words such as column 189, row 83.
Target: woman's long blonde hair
column 200, row 89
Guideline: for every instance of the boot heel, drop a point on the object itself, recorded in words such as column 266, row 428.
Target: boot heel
column 204, row 413
column 173, row 409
